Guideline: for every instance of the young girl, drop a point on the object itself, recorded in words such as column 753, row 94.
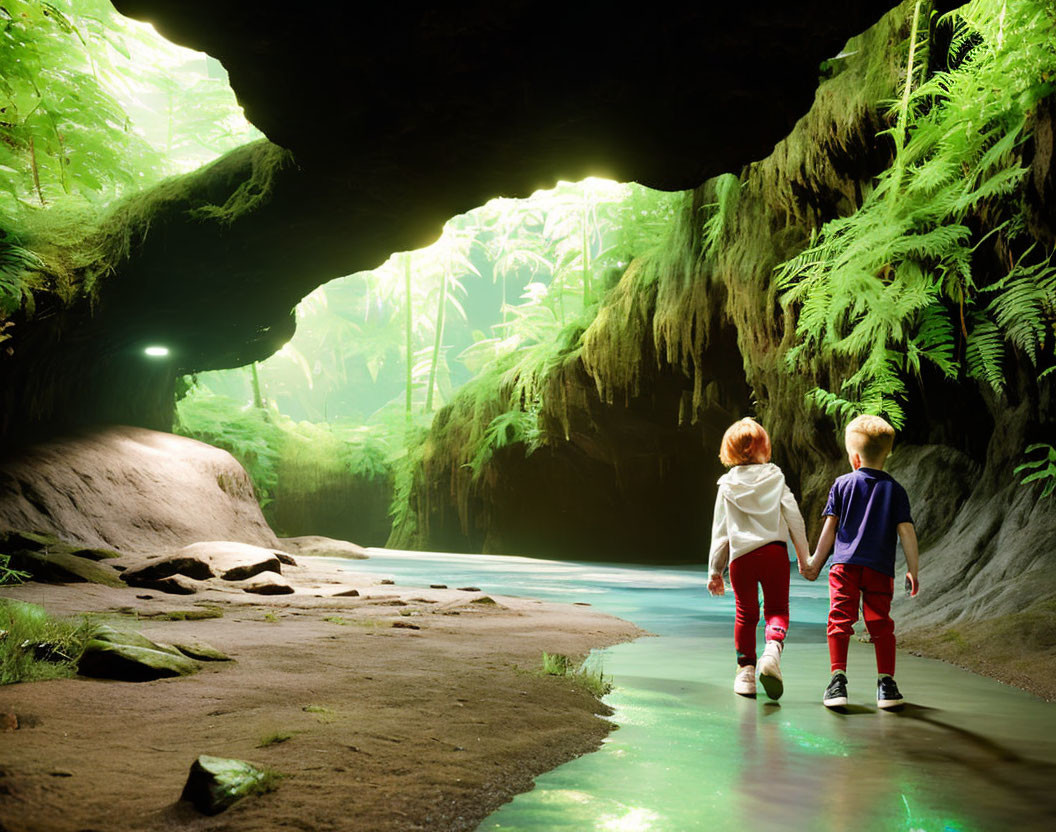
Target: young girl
column 755, row 512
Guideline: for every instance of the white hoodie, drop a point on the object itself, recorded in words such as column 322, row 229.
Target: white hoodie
column 753, row 507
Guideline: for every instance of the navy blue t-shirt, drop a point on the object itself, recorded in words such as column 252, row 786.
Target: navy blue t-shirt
column 869, row 505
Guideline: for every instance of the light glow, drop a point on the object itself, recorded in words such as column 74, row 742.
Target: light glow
column 157, row 352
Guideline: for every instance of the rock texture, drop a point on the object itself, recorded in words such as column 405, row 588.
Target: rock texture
column 130, row 489
column 326, row 547
column 216, row 783
column 131, row 657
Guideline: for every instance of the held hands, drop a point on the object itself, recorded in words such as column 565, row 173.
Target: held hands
column 809, row 568
column 716, row 585
column 912, row 584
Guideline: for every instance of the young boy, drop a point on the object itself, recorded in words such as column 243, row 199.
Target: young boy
column 865, row 511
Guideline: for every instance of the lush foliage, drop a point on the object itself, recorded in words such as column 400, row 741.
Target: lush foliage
column 34, row 646
column 908, row 278
column 488, row 310
column 9, row 575
column 93, row 107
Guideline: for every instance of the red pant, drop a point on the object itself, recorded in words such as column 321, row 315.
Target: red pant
column 847, row 584
column 768, row 566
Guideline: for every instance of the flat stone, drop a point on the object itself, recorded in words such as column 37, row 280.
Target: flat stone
column 324, row 547
column 201, row 651
column 234, row 561
column 437, row 586
column 216, row 783
column 267, row 583
column 188, row 565
column 387, row 582
column 348, row 593
column 124, row 662
column 469, row 589
column 284, row 558
column 405, row 625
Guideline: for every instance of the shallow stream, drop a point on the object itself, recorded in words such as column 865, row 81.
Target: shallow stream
column 967, row 753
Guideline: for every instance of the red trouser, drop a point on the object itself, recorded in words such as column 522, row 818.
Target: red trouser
column 768, row 566
column 847, row 584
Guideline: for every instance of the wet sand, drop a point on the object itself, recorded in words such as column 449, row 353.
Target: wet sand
column 429, row 728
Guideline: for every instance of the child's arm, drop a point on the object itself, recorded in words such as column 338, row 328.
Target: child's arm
column 824, row 548
column 907, row 533
column 797, row 529
column 720, row 548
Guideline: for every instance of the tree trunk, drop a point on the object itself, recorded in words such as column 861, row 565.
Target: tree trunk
column 436, row 343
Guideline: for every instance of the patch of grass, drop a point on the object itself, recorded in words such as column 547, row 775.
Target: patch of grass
column 335, row 619
column 588, row 675
column 268, row 781
column 8, row 575
column 35, row 646
column 316, row 709
column 274, row 738
column 271, row 618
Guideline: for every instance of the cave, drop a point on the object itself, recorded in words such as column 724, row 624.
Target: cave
column 291, row 293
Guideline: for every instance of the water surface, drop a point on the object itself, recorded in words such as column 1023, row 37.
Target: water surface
column 967, row 753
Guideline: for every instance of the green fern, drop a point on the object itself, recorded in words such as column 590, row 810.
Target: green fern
column 1044, row 468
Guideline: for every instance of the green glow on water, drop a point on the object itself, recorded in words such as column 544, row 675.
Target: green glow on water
column 967, row 754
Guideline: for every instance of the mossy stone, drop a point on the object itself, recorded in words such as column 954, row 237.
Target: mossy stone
column 201, row 651
column 106, row 660
column 216, row 783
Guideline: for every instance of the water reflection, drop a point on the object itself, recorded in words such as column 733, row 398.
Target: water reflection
column 968, row 754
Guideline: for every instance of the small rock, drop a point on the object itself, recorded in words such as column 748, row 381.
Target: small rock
column 148, row 574
column 8, row 721
column 195, row 649
column 216, row 783
column 405, row 625
column 144, row 597
column 267, row 583
column 387, row 582
column 469, row 589
column 348, row 593
column 485, row 599
column 580, row 604
column 176, row 585
column 61, row 772
column 437, row 586
column 112, row 635
column 285, row 559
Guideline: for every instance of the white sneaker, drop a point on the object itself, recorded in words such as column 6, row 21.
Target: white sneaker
column 744, row 682
column 770, row 669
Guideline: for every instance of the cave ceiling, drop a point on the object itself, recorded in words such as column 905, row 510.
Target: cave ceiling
column 399, row 117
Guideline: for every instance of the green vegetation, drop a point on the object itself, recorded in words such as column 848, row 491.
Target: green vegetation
column 410, row 337
column 9, row 575
column 94, row 108
column 271, row 618
column 936, row 265
column 588, row 675
column 316, row 709
column 274, row 738
column 35, row 646
column 1043, row 469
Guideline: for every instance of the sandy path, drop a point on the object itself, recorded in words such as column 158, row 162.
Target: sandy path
column 422, row 729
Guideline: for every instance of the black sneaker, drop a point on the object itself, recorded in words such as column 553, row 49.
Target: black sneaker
column 836, row 692
column 887, row 694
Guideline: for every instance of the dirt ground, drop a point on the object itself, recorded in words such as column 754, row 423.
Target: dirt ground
column 408, row 729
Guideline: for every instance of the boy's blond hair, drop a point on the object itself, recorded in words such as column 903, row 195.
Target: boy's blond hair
column 871, row 436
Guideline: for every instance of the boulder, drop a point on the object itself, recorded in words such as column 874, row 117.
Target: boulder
column 216, row 783
column 267, row 583
column 226, row 559
column 106, row 660
column 131, row 489
column 322, row 547
column 130, row 638
column 234, row 561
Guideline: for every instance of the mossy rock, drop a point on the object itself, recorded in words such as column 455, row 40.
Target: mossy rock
column 111, row 635
column 216, row 783
column 57, row 566
column 105, row 660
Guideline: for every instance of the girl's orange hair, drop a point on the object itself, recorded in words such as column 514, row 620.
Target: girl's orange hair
column 745, row 442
